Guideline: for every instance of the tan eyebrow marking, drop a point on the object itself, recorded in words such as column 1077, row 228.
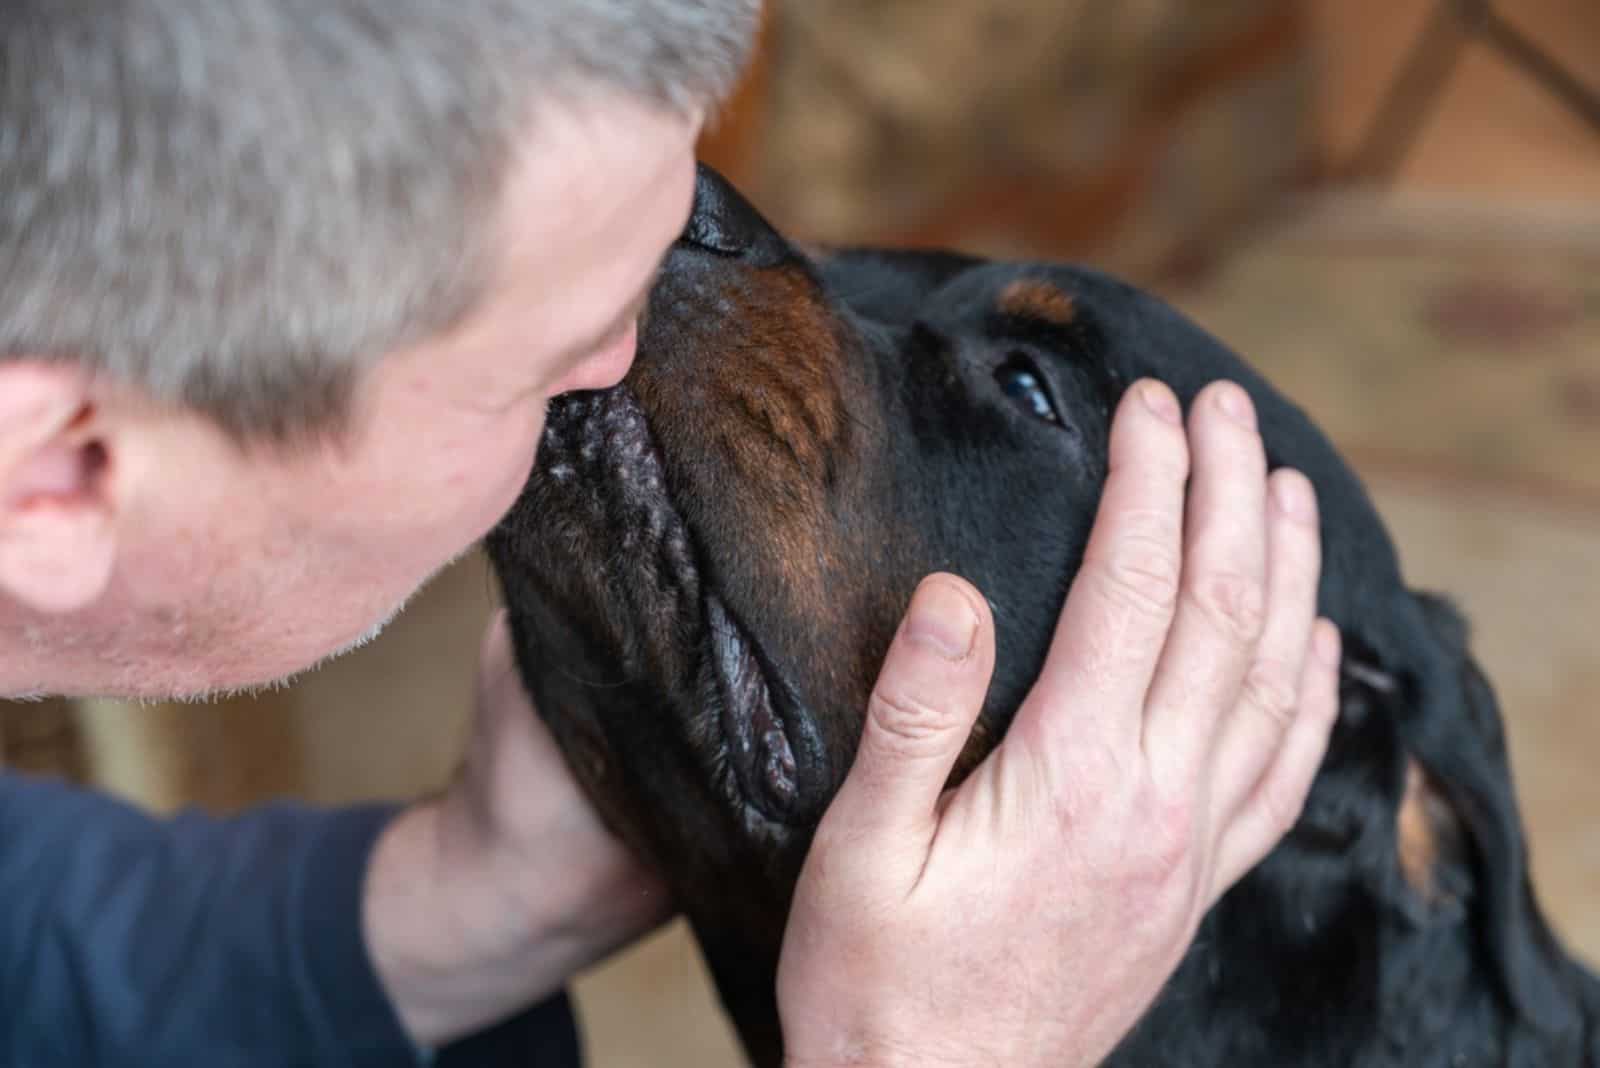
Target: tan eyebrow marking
column 1033, row 298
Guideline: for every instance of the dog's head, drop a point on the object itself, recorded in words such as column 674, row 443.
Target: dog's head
column 709, row 562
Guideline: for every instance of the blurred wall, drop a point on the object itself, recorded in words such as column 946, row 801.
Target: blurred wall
column 1135, row 133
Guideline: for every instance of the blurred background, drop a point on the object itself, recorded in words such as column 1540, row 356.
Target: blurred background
column 1391, row 206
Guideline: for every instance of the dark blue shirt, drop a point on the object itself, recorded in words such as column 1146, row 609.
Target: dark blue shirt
column 229, row 943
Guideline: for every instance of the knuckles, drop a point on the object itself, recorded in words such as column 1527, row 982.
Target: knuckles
column 1141, row 573
column 906, row 724
column 1233, row 603
column 1270, row 688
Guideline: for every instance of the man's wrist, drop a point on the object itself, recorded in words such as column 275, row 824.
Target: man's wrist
column 466, row 929
column 453, row 950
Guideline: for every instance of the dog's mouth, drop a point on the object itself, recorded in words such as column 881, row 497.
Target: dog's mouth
column 755, row 741
column 755, row 729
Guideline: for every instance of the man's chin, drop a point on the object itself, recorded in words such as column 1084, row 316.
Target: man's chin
column 364, row 637
column 193, row 691
column 281, row 681
column 349, row 645
column 187, row 678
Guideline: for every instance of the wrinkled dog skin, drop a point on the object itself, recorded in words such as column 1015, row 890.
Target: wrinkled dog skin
column 708, row 563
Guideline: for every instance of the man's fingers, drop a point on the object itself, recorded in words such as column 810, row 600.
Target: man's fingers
column 1222, row 599
column 1120, row 605
column 921, row 712
column 1279, row 797
column 1252, row 735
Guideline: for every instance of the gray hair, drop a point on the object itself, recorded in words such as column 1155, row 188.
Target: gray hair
column 237, row 205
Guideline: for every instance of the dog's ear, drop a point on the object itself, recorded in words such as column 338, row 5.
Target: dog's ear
column 1460, row 804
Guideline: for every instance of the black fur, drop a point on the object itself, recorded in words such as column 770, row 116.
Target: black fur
column 824, row 432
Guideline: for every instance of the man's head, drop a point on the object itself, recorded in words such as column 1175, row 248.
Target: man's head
column 285, row 289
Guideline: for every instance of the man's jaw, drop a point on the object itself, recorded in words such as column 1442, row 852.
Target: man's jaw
column 41, row 659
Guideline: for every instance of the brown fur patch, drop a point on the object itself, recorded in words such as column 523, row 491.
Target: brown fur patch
column 1427, row 833
column 1034, row 299
column 775, row 401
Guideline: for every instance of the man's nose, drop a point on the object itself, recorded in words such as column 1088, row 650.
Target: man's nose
column 723, row 222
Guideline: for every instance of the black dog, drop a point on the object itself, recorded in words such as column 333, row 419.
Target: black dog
column 705, row 570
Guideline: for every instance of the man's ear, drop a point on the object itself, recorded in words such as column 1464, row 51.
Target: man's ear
column 57, row 506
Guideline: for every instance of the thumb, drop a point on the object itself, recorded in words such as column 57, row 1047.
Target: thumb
column 496, row 654
column 509, row 740
column 501, row 698
column 921, row 712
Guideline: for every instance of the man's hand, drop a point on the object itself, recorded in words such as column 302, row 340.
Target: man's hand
column 488, row 898
column 1031, row 916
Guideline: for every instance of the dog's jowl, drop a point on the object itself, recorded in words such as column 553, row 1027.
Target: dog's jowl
column 708, row 564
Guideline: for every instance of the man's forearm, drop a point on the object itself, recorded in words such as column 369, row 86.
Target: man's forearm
column 131, row 940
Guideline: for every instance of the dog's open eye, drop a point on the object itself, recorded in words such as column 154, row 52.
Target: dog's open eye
column 1023, row 383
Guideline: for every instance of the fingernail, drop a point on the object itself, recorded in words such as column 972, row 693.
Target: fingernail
column 1325, row 637
column 1294, row 495
column 1159, row 399
column 941, row 619
column 1235, row 404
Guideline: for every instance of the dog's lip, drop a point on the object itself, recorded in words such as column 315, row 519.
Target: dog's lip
column 754, row 729
column 766, row 738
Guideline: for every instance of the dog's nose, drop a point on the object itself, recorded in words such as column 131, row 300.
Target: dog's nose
column 725, row 223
